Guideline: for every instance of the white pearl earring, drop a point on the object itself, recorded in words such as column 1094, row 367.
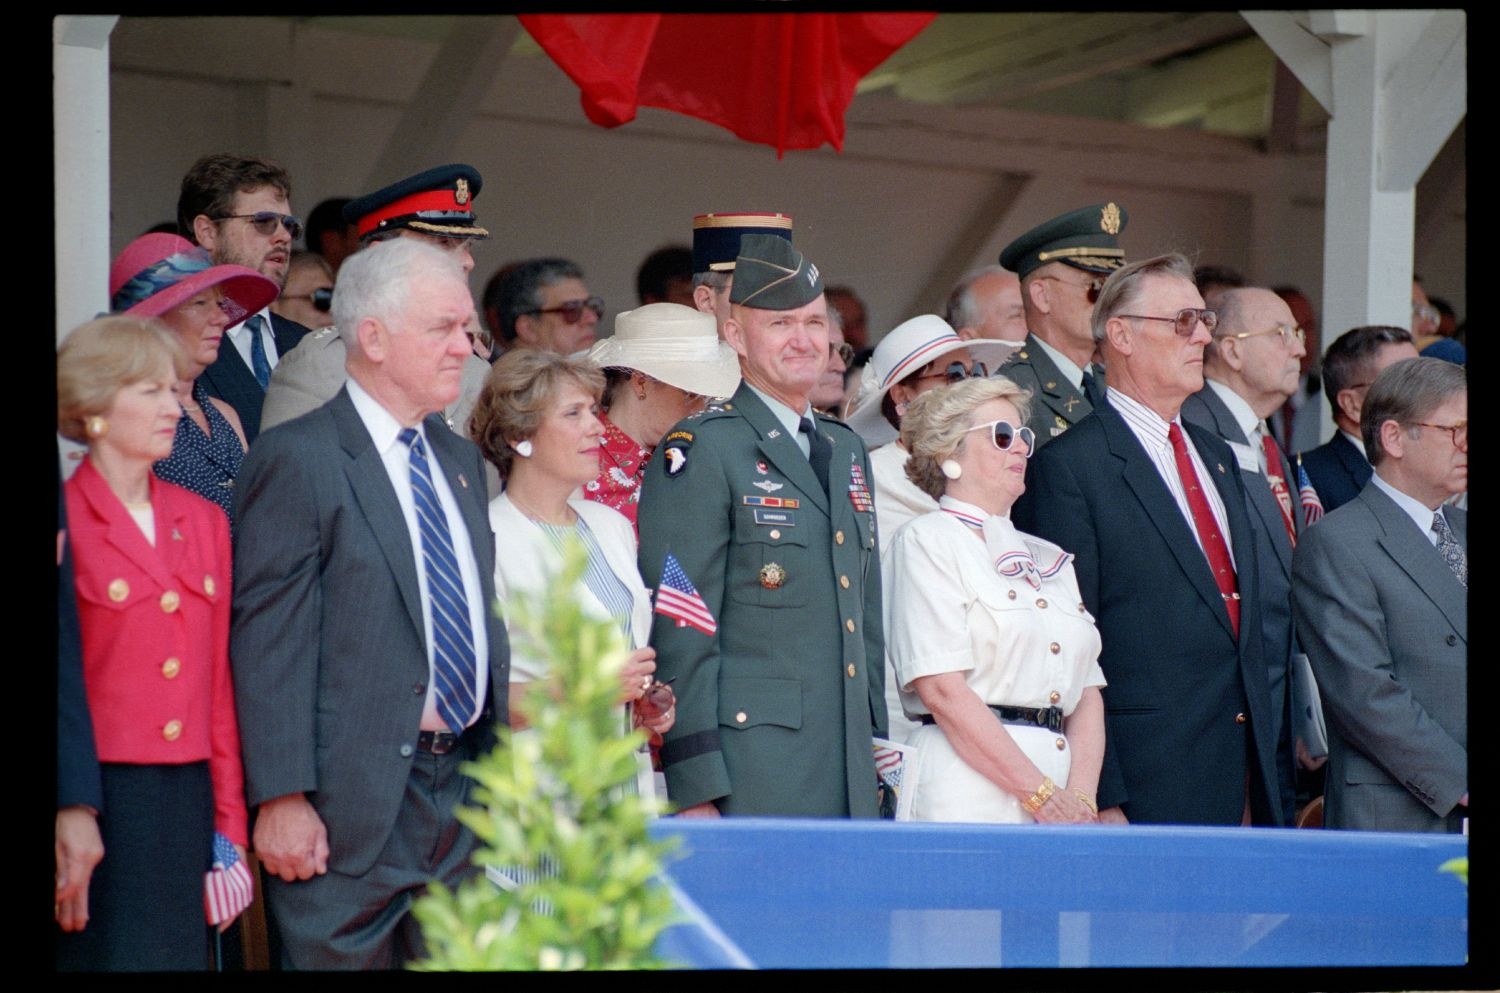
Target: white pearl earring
column 523, row 448
column 951, row 469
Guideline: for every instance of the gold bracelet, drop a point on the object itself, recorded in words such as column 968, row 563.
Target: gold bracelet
column 1043, row 793
column 1088, row 801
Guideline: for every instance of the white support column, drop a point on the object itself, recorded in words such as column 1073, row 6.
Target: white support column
column 80, row 167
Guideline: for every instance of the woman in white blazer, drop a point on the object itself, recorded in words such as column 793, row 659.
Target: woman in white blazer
column 537, row 421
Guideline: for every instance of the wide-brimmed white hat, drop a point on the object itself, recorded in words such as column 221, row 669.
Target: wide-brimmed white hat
column 907, row 348
column 677, row 345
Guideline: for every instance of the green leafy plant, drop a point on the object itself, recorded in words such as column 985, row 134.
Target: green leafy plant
column 556, row 802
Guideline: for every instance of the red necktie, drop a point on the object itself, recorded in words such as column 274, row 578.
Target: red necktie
column 1278, row 485
column 1208, row 528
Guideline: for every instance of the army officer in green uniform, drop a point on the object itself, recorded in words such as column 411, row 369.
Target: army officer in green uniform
column 1062, row 264
column 765, row 506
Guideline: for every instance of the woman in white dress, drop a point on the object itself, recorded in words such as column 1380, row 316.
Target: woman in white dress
column 537, row 421
column 993, row 649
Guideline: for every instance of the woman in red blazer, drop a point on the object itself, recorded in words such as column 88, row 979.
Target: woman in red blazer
column 152, row 571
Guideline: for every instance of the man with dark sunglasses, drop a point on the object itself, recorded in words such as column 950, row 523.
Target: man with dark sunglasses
column 239, row 210
column 1062, row 264
column 544, row 303
column 1155, row 512
column 436, row 206
column 307, row 297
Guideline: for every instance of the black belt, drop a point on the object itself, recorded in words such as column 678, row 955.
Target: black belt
column 438, row 742
column 1050, row 718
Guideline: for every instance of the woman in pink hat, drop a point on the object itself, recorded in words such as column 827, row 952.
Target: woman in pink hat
column 167, row 277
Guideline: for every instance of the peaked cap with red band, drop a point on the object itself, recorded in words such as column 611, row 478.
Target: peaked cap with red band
column 437, row 202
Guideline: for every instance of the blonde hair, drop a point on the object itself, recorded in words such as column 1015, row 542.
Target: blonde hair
column 935, row 422
column 100, row 358
column 520, row 388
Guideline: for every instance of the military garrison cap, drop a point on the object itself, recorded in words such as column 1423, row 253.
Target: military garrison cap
column 716, row 237
column 772, row 275
column 1082, row 238
column 436, row 202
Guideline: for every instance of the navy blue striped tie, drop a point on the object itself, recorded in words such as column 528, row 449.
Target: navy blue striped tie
column 452, row 637
column 259, row 363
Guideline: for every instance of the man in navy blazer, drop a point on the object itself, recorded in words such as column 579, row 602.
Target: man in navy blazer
column 369, row 664
column 1380, row 588
column 238, row 210
column 1250, row 368
column 1338, row 469
column 1166, row 563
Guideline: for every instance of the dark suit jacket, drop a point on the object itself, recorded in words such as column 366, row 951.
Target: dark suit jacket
column 329, row 647
column 232, row 381
column 1386, row 626
column 1187, row 710
column 1337, row 470
column 776, row 709
column 77, row 759
column 1055, row 405
column 1273, row 556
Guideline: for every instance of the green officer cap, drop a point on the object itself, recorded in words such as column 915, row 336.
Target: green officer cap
column 1082, row 238
column 772, row 275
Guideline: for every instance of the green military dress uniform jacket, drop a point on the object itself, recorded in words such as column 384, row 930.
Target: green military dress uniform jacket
column 776, row 709
column 1055, row 404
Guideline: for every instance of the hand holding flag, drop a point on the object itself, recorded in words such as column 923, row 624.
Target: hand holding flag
column 677, row 598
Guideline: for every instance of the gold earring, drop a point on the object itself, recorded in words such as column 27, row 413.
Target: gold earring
column 95, row 426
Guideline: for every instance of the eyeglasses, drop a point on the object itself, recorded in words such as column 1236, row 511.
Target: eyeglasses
column 1459, row 431
column 1288, row 334
column 572, row 311
column 1426, row 312
column 1185, row 321
column 956, row 373
column 321, row 298
column 1091, row 291
column 843, row 350
column 1004, row 434
column 264, row 222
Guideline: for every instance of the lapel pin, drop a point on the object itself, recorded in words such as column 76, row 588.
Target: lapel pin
column 462, row 481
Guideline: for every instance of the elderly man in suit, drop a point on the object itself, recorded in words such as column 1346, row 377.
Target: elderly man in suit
column 1380, row 589
column 1166, row 562
column 1250, row 367
column 1338, row 469
column 1062, row 265
column 765, row 507
column 238, row 210
column 366, row 654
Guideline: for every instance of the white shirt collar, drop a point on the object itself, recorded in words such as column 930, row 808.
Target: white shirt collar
column 1420, row 514
column 1065, row 365
column 1244, row 417
column 383, row 427
column 240, row 330
column 1140, row 417
column 786, row 415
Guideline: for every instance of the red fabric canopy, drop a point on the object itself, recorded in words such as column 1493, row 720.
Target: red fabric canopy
column 781, row 79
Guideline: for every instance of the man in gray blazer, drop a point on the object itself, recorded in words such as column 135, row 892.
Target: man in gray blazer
column 1250, row 367
column 368, row 664
column 1380, row 591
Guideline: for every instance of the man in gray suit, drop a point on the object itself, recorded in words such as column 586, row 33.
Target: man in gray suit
column 1250, row 367
column 364, row 644
column 1380, row 592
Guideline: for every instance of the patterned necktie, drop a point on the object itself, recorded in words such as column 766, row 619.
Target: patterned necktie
column 1208, row 529
column 259, row 364
column 1450, row 549
column 453, row 661
column 1276, row 476
column 819, row 451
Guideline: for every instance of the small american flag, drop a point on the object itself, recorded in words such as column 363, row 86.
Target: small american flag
column 677, row 598
column 1312, row 507
column 227, row 887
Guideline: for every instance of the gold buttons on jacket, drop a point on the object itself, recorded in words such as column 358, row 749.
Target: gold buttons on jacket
column 1054, row 648
column 208, row 585
column 741, row 717
column 838, row 536
column 170, row 600
column 1240, row 718
column 849, row 625
column 1054, row 696
column 844, row 582
column 173, row 730
column 851, row 670
column 170, row 668
column 1041, row 603
column 118, row 590
column 775, row 534
column 1062, row 744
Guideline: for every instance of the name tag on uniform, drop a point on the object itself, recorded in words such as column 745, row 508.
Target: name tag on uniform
column 785, row 517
